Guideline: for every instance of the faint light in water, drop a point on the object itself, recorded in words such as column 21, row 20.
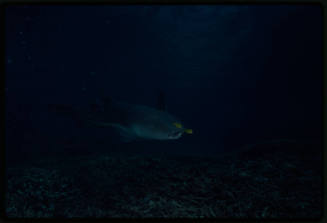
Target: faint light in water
column 20, row 33
column 83, row 88
column 9, row 61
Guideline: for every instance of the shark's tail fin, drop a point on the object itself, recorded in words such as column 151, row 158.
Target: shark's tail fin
column 67, row 111
column 62, row 109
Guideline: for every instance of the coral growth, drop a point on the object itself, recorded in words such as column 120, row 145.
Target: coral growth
column 279, row 180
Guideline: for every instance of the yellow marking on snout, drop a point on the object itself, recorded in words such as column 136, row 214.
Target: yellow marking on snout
column 188, row 131
column 178, row 125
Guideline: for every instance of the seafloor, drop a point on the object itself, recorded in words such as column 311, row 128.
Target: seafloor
column 280, row 179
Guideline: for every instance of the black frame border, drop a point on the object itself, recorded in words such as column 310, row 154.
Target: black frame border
column 321, row 3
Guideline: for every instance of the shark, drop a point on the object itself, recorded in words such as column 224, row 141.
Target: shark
column 132, row 121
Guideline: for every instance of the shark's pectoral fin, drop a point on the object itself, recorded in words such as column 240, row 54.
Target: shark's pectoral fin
column 125, row 134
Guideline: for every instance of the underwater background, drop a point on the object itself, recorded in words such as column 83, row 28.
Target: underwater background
column 246, row 78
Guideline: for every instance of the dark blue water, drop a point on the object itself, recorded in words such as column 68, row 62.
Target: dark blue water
column 235, row 74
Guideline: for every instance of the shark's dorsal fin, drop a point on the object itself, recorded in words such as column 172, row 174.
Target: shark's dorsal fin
column 161, row 101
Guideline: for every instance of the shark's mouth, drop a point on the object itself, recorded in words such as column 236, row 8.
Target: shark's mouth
column 175, row 134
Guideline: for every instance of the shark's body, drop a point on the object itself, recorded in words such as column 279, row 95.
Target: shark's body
column 135, row 122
